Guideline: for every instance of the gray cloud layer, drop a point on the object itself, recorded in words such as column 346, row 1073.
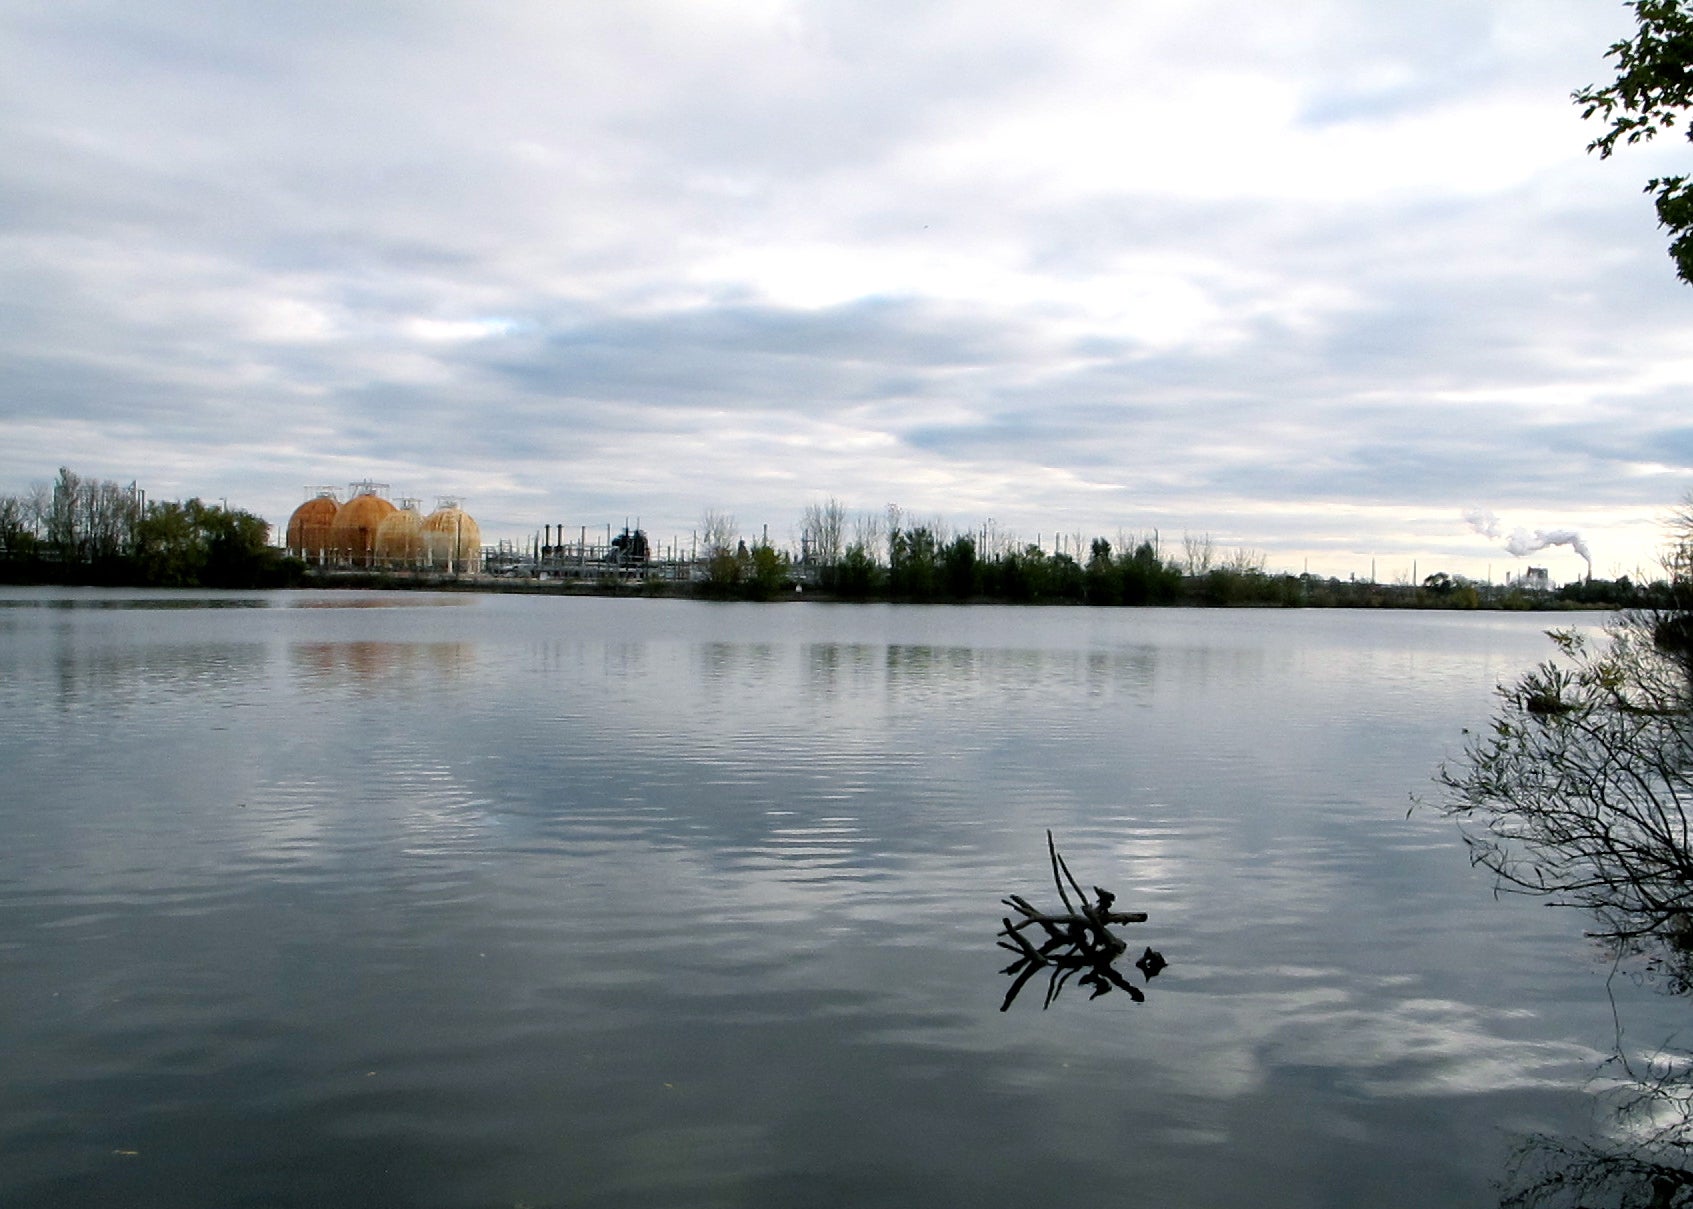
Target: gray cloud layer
column 1313, row 279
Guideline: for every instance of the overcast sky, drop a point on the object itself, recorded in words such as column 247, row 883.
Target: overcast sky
column 1314, row 278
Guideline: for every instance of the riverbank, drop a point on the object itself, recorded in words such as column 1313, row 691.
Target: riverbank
column 1274, row 592
column 1213, row 590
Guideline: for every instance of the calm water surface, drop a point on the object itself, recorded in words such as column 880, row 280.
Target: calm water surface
column 370, row 899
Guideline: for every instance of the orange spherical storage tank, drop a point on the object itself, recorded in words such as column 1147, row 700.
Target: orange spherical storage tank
column 352, row 537
column 399, row 539
column 452, row 541
column 308, row 528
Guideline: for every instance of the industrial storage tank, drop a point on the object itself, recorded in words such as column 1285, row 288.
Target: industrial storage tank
column 452, row 541
column 399, row 538
column 352, row 537
column 308, row 528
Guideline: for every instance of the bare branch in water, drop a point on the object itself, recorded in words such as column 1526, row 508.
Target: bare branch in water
column 1077, row 940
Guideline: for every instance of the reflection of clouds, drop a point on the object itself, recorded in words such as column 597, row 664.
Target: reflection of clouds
column 1436, row 1047
column 1377, row 1043
column 761, row 861
column 413, row 807
column 787, row 872
column 800, row 850
column 1640, row 1154
column 282, row 825
column 1156, row 853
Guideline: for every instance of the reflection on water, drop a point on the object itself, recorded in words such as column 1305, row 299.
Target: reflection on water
column 376, row 600
column 370, row 663
column 599, row 903
column 104, row 601
column 1077, row 939
column 109, row 677
column 199, row 601
column 1575, row 793
column 1644, row 1157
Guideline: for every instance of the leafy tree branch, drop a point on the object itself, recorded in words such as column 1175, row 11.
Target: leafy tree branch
column 1653, row 91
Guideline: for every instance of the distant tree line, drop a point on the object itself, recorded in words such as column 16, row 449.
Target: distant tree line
column 893, row 556
column 78, row 530
column 87, row 531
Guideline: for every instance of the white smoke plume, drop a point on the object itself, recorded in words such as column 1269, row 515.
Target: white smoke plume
column 1482, row 521
column 1521, row 541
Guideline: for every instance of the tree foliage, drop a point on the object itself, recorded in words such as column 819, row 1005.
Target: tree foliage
column 198, row 544
column 914, row 562
column 766, row 570
column 1581, row 788
column 721, row 547
column 84, row 530
column 1653, row 92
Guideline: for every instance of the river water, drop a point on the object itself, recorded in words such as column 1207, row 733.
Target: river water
column 456, row 900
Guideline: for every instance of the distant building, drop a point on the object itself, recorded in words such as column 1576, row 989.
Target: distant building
column 1536, row 580
column 369, row 532
column 309, row 527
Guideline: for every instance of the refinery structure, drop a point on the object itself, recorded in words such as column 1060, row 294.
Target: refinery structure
column 362, row 530
column 368, row 531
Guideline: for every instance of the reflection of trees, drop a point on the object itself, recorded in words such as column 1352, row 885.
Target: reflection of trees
column 1579, row 792
column 1648, row 1163
column 1077, row 940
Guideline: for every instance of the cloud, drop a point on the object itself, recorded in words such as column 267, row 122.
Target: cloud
column 1193, row 266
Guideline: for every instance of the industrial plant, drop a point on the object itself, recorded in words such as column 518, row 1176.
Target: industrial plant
column 367, row 531
column 362, row 530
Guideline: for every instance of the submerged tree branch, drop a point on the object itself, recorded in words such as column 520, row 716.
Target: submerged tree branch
column 1077, row 940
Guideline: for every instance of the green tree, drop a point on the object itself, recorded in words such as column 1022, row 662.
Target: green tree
column 1652, row 92
column 960, row 568
column 18, row 536
column 768, row 571
column 914, row 555
column 1147, row 579
column 169, row 549
column 236, row 544
column 197, row 544
column 1104, row 586
column 1066, row 579
column 858, row 574
column 1016, row 575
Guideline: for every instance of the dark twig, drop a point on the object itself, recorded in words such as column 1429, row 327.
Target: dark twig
column 1079, row 939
